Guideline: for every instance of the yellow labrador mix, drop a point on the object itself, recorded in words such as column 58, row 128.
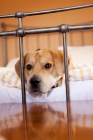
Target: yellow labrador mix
column 43, row 70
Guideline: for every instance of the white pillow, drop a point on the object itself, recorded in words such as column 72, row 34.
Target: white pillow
column 12, row 62
column 80, row 54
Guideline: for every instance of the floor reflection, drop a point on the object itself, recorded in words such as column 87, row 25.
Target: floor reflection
column 46, row 121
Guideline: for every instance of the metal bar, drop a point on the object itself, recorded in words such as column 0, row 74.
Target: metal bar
column 66, row 67
column 8, row 33
column 59, row 40
column 7, row 16
column 20, row 22
column 69, row 120
column 15, row 44
column 25, row 121
column 80, row 27
column 22, row 32
column 22, row 63
column 57, row 29
column 4, row 46
column 26, row 44
column 70, row 36
column 58, row 10
column 67, row 86
column 42, row 30
column 49, row 11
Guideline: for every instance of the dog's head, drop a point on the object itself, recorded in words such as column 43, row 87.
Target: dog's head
column 43, row 70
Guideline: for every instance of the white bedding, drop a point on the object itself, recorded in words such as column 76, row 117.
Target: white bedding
column 80, row 90
column 81, row 80
column 80, row 55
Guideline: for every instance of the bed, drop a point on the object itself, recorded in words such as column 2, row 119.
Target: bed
column 76, row 89
column 84, row 72
column 76, row 41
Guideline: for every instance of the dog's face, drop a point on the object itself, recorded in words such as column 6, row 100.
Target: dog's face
column 43, row 70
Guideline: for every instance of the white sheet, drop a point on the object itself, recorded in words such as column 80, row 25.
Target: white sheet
column 80, row 90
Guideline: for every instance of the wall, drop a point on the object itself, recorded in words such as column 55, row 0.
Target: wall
column 12, row 6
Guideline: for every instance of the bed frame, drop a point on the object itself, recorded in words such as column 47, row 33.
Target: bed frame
column 63, row 29
column 85, row 37
column 21, row 32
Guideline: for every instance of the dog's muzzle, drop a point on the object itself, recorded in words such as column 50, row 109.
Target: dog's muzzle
column 35, row 83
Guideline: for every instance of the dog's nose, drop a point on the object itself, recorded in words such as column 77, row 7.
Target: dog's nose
column 34, row 81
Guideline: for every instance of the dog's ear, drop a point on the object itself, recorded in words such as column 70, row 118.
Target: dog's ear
column 70, row 64
column 59, row 61
column 18, row 66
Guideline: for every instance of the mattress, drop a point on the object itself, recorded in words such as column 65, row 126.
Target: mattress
column 80, row 90
column 80, row 81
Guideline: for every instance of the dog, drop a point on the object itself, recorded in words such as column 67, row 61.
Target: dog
column 43, row 70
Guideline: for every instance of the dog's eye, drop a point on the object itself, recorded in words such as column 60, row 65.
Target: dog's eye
column 48, row 65
column 28, row 67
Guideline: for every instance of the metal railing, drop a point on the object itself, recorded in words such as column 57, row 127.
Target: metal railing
column 64, row 28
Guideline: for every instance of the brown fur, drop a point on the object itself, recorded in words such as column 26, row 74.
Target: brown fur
column 38, row 60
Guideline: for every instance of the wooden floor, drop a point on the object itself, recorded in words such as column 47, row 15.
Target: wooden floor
column 47, row 121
